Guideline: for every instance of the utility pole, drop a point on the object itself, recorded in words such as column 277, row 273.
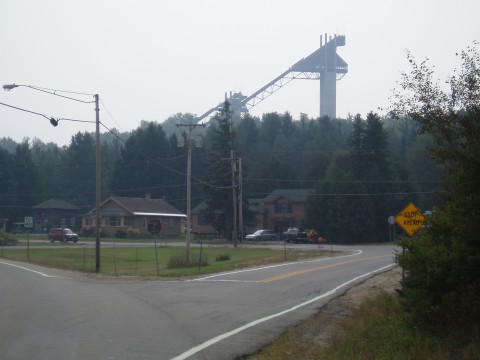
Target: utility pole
column 190, row 126
column 234, row 198
column 98, row 182
column 240, row 205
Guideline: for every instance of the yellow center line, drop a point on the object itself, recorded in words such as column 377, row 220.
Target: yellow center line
column 323, row 267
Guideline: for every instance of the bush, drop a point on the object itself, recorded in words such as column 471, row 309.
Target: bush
column 7, row 239
column 121, row 234
column 222, row 257
column 88, row 231
column 180, row 261
column 133, row 233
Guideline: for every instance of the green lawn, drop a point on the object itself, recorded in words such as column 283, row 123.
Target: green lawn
column 142, row 261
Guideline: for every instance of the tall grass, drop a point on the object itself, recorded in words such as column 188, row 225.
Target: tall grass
column 378, row 330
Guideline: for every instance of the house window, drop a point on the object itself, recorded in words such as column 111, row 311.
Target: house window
column 114, row 221
column 128, row 221
column 202, row 219
column 283, row 208
column 144, row 223
column 87, row 222
column 170, row 222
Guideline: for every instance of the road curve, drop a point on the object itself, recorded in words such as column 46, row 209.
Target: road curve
column 52, row 314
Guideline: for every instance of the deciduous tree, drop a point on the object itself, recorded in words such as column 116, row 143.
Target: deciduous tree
column 442, row 263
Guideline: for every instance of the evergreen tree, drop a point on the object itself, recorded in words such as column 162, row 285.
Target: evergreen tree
column 371, row 164
column 80, row 159
column 317, row 166
column 48, row 161
column 110, row 154
column 339, row 209
column 375, row 150
column 247, row 134
column 145, row 165
column 6, row 184
column 219, row 171
column 270, row 127
column 356, row 142
column 271, row 174
column 25, row 186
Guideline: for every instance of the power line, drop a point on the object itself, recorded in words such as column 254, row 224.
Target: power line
column 28, row 111
column 161, row 165
column 347, row 181
column 56, row 91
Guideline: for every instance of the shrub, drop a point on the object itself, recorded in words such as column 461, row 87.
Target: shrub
column 7, row 239
column 88, row 231
column 222, row 257
column 121, row 234
column 133, row 233
column 180, row 261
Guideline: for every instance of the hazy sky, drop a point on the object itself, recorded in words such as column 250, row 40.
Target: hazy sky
column 151, row 59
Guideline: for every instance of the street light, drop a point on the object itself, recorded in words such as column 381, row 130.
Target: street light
column 9, row 87
column 54, row 123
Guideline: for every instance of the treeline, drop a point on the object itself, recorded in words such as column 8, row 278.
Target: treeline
column 361, row 170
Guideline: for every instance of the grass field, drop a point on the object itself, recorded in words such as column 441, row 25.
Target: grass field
column 167, row 261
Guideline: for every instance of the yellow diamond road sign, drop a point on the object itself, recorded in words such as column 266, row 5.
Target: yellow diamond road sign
column 410, row 219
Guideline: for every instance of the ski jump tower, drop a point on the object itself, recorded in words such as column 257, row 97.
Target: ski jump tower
column 328, row 65
column 323, row 64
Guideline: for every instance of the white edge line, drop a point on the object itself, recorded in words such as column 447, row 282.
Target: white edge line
column 357, row 252
column 34, row 271
column 221, row 337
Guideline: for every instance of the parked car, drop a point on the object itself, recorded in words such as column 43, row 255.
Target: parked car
column 62, row 235
column 261, row 235
column 295, row 235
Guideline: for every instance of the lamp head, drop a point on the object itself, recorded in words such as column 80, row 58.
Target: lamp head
column 53, row 122
column 9, row 87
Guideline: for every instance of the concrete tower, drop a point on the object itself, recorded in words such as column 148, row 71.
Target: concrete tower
column 329, row 65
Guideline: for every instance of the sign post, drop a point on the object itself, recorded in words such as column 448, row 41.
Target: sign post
column 154, row 227
column 391, row 222
column 28, row 224
column 410, row 219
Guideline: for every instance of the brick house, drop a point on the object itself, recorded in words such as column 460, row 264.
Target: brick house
column 285, row 208
column 281, row 209
column 134, row 214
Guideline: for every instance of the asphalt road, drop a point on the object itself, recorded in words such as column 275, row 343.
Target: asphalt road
column 57, row 315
